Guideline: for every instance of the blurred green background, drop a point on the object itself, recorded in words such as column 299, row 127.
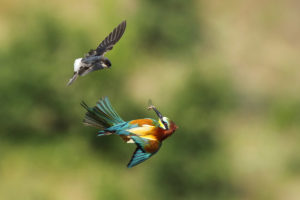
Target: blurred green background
column 227, row 72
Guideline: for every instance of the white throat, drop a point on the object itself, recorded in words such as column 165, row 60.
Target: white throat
column 77, row 64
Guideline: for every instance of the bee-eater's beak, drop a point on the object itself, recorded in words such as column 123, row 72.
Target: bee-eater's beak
column 175, row 126
column 151, row 106
column 155, row 110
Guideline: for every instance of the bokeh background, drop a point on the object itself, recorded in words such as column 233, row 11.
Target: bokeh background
column 227, row 72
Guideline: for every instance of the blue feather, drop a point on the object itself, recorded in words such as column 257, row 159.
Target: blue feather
column 110, row 108
column 138, row 157
column 141, row 142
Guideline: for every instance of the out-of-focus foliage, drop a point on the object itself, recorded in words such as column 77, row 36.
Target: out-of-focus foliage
column 226, row 72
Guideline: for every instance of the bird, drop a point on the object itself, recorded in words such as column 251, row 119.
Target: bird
column 94, row 59
column 146, row 133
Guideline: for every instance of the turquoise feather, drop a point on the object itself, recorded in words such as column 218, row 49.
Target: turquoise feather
column 103, row 116
column 138, row 156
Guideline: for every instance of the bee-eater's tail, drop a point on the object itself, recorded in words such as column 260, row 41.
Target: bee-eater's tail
column 102, row 115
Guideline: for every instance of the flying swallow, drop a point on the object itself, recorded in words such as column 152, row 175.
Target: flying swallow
column 147, row 133
column 94, row 59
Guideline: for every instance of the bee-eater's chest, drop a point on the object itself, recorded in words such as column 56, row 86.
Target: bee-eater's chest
column 146, row 128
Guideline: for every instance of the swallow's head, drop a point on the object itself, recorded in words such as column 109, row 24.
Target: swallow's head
column 106, row 62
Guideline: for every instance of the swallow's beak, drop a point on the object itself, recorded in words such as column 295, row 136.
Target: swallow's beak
column 108, row 63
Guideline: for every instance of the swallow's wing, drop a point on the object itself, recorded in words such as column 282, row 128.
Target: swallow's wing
column 95, row 67
column 108, row 43
column 138, row 157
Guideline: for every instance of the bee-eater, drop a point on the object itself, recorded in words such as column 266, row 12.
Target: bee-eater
column 147, row 133
column 95, row 60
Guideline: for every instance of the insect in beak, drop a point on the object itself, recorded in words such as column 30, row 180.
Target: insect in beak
column 151, row 106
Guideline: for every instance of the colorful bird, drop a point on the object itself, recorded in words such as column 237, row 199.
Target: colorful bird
column 95, row 60
column 147, row 133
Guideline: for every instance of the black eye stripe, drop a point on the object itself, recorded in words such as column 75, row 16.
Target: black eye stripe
column 165, row 124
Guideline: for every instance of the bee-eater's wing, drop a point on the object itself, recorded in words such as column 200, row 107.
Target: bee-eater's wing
column 108, row 43
column 142, row 130
column 141, row 154
column 138, row 157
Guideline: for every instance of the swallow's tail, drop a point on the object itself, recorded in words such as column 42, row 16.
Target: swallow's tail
column 102, row 115
column 72, row 79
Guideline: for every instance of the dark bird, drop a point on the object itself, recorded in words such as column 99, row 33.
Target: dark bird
column 147, row 133
column 95, row 60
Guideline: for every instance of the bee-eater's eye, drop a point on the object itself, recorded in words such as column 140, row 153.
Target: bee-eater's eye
column 165, row 124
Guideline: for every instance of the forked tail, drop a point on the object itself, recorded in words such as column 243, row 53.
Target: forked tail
column 102, row 115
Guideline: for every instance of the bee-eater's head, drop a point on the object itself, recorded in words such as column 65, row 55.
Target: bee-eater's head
column 165, row 123
column 168, row 125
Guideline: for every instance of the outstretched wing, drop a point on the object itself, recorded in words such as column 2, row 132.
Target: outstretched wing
column 145, row 149
column 108, row 43
column 138, row 156
column 94, row 67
